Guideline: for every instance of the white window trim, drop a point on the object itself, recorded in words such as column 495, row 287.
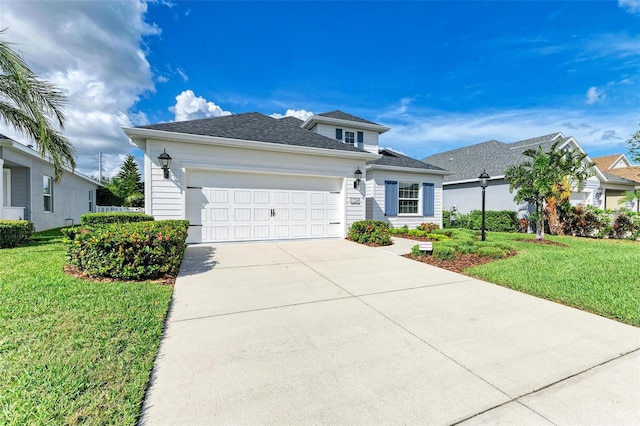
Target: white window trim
column 50, row 195
column 418, row 212
column 353, row 134
column 6, row 187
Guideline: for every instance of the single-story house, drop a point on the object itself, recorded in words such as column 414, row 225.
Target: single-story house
column 462, row 191
column 250, row 177
column 619, row 166
column 28, row 190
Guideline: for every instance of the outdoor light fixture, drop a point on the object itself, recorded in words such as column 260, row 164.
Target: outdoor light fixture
column 165, row 162
column 357, row 174
column 484, row 178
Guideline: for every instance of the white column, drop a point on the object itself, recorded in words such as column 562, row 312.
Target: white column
column 1, row 188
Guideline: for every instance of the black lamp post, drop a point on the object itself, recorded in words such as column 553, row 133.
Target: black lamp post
column 484, row 178
column 357, row 174
column 165, row 162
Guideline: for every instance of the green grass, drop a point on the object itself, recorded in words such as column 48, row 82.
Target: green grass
column 73, row 351
column 599, row 276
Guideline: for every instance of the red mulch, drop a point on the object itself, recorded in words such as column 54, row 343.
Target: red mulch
column 73, row 271
column 462, row 262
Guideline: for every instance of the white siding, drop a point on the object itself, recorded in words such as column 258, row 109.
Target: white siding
column 376, row 196
column 370, row 138
column 167, row 196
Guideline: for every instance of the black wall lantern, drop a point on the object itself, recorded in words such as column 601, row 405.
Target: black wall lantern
column 357, row 174
column 484, row 178
column 165, row 162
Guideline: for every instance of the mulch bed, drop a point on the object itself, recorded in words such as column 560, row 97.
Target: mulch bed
column 73, row 271
column 462, row 262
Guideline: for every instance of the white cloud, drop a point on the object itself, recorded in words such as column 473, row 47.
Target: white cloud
column 300, row 114
column 632, row 6
column 190, row 107
column 424, row 133
column 94, row 51
column 594, row 95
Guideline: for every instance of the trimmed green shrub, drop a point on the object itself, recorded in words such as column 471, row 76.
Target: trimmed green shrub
column 444, row 252
column 370, row 232
column 446, row 219
column 492, row 252
column 93, row 219
column 415, row 251
column 495, row 220
column 15, row 232
column 130, row 251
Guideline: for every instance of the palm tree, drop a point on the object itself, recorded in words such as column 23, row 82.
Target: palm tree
column 34, row 108
column 541, row 178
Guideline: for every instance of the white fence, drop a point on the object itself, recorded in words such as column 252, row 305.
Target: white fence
column 111, row 209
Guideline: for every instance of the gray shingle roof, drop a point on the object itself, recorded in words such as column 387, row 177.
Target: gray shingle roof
column 253, row 126
column 468, row 162
column 292, row 121
column 618, row 179
column 344, row 116
column 391, row 158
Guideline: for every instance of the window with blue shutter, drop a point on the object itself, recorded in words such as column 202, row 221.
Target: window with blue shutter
column 390, row 198
column 339, row 134
column 428, row 199
column 361, row 140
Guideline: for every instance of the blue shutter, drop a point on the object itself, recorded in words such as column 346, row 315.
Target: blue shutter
column 339, row 134
column 361, row 140
column 390, row 198
column 428, row 199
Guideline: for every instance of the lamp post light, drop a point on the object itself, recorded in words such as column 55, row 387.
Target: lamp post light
column 484, row 178
column 357, row 175
column 165, row 163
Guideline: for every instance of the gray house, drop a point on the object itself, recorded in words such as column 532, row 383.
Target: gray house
column 28, row 190
column 462, row 191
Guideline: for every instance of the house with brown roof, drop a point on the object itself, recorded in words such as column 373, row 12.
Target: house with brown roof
column 618, row 165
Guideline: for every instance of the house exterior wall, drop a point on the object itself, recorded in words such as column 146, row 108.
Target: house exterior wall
column 166, row 198
column 370, row 138
column 466, row 197
column 375, row 193
column 70, row 196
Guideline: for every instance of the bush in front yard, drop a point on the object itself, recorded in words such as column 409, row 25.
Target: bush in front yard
column 92, row 219
column 15, row 232
column 130, row 251
column 444, row 252
column 370, row 232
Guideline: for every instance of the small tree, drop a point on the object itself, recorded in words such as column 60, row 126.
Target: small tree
column 540, row 178
column 634, row 146
column 126, row 186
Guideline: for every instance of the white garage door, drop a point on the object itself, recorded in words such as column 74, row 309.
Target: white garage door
column 223, row 206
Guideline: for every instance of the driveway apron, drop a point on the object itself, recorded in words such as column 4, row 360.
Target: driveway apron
column 332, row 332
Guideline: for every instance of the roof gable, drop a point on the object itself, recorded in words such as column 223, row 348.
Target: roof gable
column 344, row 116
column 253, row 126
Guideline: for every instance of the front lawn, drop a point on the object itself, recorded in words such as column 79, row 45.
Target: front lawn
column 73, row 351
column 599, row 276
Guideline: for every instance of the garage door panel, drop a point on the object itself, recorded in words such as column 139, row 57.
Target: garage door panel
column 242, row 214
column 262, row 207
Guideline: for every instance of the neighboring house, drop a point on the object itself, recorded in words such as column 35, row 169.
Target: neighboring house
column 28, row 192
column 250, row 177
column 620, row 167
column 462, row 191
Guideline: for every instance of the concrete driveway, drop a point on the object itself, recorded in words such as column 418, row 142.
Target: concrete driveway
column 332, row 332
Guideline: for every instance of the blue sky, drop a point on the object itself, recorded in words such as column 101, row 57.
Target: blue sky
column 440, row 74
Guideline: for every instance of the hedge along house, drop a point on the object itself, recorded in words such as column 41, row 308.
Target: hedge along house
column 462, row 191
column 250, row 177
column 28, row 190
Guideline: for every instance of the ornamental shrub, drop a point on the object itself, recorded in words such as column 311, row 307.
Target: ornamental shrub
column 129, row 251
column 625, row 225
column 444, row 252
column 370, row 232
column 492, row 252
column 93, row 219
column 589, row 222
column 15, row 232
column 428, row 227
